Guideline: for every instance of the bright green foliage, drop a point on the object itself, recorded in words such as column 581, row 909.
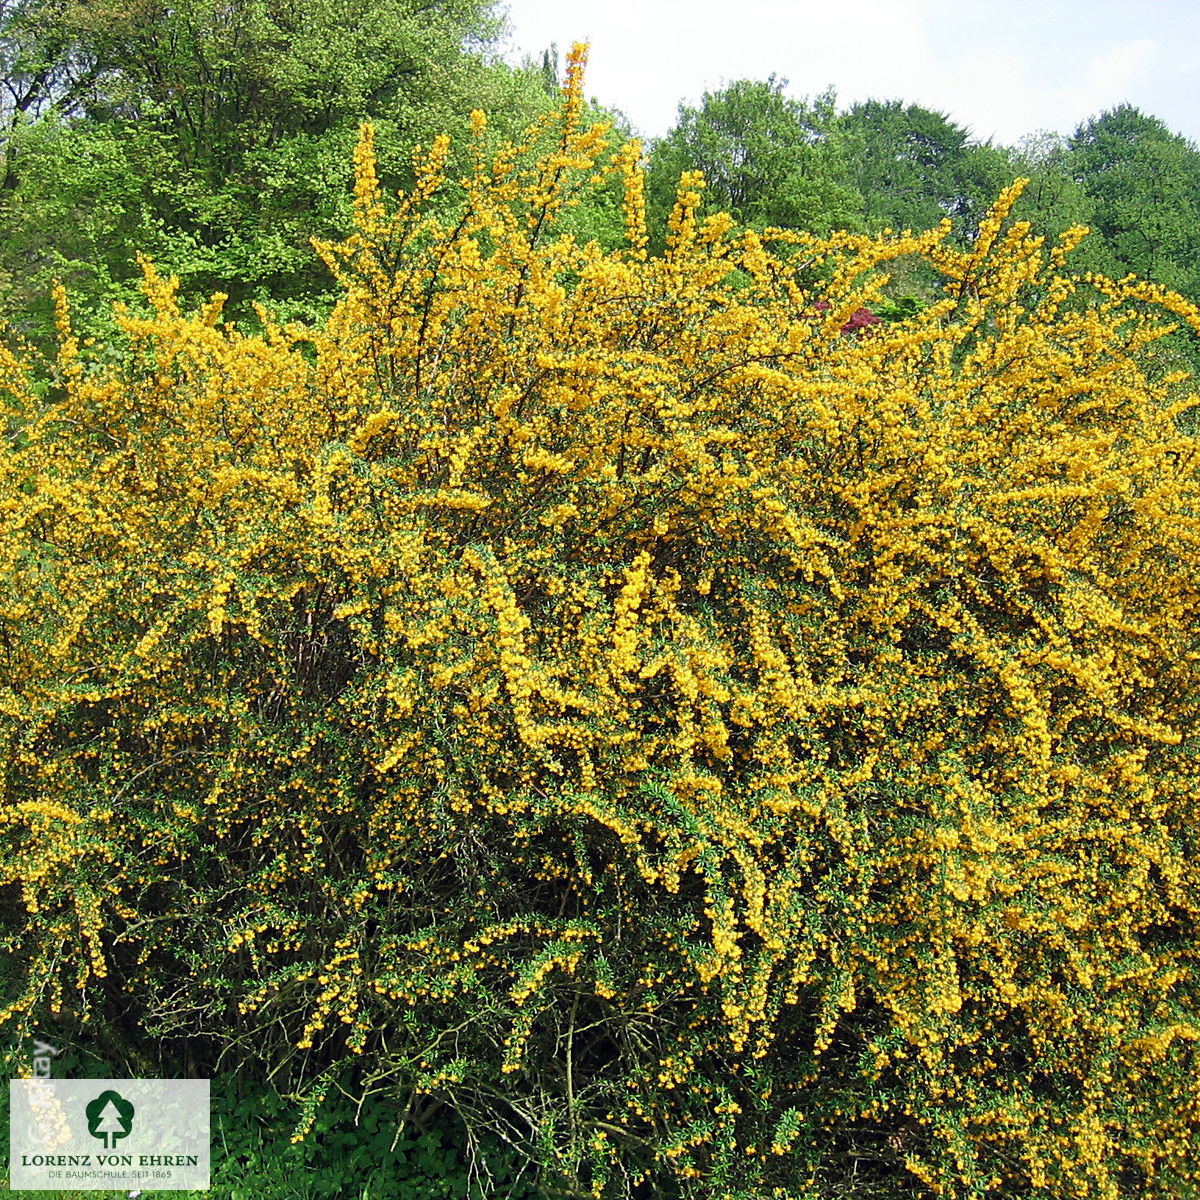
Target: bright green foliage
column 1144, row 186
column 1055, row 200
column 914, row 167
column 217, row 138
column 723, row 757
column 766, row 159
column 228, row 77
column 43, row 71
column 81, row 214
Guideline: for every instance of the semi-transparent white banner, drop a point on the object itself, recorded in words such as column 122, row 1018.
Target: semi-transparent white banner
column 129, row 1134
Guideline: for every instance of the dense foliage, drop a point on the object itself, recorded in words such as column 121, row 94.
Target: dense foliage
column 913, row 167
column 216, row 135
column 1144, row 186
column 712, row 751
column 767, row 160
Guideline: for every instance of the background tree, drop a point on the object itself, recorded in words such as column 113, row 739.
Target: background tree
column 1143, row 183
column 42, row 69
column 215, row 135
column 767, row 159
column 1054, row 200
column 914, row 167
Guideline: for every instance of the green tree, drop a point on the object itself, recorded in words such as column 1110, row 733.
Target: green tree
column 1054, row 200
column 91, row 196
column 215, row 135
column 1143, row 183
column 767, row 159
column 914, row 167
column 42, row 70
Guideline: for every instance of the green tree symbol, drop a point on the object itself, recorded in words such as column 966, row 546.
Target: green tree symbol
column 109, row 1116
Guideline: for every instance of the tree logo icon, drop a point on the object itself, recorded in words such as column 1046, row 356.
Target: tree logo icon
column 109, row 1116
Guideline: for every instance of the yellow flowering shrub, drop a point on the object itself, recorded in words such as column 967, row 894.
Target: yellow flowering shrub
column 724, row 756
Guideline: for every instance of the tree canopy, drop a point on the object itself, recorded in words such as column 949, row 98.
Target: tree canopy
column 914, row 167
column 1144, row 186
column 215, row 134
column 767, row 159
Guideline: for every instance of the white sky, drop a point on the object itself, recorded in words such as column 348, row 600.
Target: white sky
column 1003, row 68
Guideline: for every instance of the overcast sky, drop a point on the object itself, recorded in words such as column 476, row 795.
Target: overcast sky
column 1003, row 68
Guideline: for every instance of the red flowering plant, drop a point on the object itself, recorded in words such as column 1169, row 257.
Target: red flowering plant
column 860, row 318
